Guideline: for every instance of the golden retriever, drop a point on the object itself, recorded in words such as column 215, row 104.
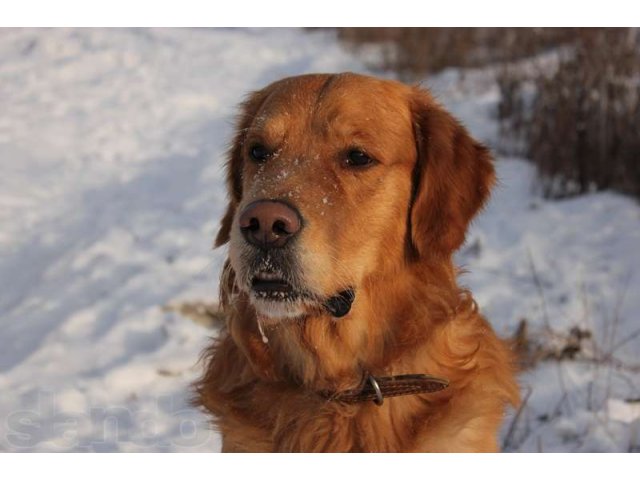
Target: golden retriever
column 348, row 197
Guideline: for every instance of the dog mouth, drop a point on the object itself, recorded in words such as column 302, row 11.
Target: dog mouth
column 273, row 286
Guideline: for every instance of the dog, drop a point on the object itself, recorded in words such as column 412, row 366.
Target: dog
column 346, row 330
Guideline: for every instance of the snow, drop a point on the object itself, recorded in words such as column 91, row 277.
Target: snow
column 111, row 151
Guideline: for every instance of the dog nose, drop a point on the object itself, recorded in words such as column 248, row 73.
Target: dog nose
column 269, row 223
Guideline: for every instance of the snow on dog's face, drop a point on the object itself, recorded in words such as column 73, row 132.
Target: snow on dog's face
column 326, row 181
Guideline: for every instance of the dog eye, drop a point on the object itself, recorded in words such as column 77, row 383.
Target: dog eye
column 357, row 158
column 259, row 153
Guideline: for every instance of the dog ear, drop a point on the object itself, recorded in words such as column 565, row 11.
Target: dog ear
column 452, row 179
column 248, row 110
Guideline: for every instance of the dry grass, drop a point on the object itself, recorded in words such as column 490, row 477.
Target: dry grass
column 207, row 314
column 580, row 127
column 416, row 52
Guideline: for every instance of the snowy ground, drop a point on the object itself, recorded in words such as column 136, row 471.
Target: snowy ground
column 111, row 145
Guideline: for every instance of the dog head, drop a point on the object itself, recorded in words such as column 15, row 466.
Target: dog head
column 334, row 179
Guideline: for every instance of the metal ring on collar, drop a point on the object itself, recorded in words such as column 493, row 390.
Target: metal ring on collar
column 379, row 400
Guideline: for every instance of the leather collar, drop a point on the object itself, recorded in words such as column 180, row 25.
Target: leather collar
column 376, row 389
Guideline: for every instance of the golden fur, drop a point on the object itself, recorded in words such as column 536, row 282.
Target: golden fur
column 389, row 231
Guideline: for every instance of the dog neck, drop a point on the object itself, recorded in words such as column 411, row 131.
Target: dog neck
column 391, row 316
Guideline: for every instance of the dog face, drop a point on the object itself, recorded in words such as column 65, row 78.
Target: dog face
column 336, row 179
